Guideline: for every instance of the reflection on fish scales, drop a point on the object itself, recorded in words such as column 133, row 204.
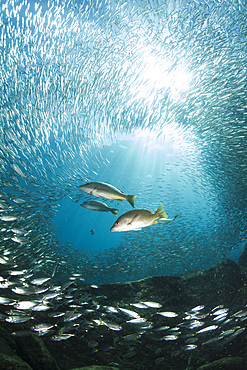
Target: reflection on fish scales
column 103, row 190
column 137, row 219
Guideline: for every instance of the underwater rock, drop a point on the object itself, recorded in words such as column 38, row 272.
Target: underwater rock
column 96, row 367
column 5, row 348
column 226, row 363
column 13, row 362
column 153, row 323
column 242, row 261
column 8, row 358
column 33, row 350
column 217, row 284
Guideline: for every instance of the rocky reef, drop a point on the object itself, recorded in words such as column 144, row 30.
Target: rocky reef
column 203, row 327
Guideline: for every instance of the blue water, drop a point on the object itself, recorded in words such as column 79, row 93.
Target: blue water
column 139, row 166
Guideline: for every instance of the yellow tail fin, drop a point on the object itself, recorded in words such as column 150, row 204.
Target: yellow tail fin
column 131, row 199
column 160, row 213
column 114, row 211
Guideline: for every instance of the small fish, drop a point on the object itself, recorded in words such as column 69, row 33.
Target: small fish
column 189, row 347
column 8, row 218
column 17, row 319
column 96, row 205
column 39, row 281
column 162, row 328
column 139, row 320
column 22, row 333
column 26, row 305
column 59, row 337
column 168, row 314
column 71, row 316
column 42, row 327
column 106, row 191
column 197, row 308
column 170, row 337
column 220, row 312
column 167, row 220
column 241, row 313
column 137, row 219
column 41, row 307
column 208, row 328
column 7, row 301
column 111, row 309
column 139, row 305
column 19, row 231
column 112, row 325
column 129, row 313
column 237, row 332
column 195, row 324
column 23, row 291
column 226, row 333
column 19, row 239
column 131, row 336
column 3, row 261
column 16, row 272
column 152, row 304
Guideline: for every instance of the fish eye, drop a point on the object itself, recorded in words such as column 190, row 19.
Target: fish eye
column 116, row 222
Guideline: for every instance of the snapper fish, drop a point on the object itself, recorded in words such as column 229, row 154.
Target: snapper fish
column 136, row 219
column 106, row 191
column 96, row 205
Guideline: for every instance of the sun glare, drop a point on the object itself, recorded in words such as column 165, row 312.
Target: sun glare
column 155, row 74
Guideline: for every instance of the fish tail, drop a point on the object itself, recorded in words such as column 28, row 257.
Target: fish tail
column 114, row 211
column 160, row 213
column 131, row 199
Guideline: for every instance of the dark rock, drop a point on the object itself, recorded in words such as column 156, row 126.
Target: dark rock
column 242, row 261
column 96, row 367
column 33, row 350
column 13, row 363
column 227, row 363
column 8, row 358
column 5, row 348
column 224, row 284
column 217, row 284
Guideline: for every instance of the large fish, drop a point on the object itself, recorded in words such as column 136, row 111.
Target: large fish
column 103, row 190
column 136, row 219
column 96, row 205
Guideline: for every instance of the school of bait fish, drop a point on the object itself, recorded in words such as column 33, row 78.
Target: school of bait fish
column 74, row 73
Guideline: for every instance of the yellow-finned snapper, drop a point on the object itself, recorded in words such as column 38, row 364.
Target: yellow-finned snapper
column 96, row 205
column 136, row 219
column 103, row 190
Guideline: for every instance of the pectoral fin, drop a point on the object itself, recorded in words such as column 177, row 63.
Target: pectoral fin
column 134, row 218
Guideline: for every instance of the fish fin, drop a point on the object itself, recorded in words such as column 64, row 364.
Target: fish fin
column 121, row 191
column 114, row 211
column 175, row 216
column 131, row 199
column 160, row 213
column 135, row 217
column 155, row 222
